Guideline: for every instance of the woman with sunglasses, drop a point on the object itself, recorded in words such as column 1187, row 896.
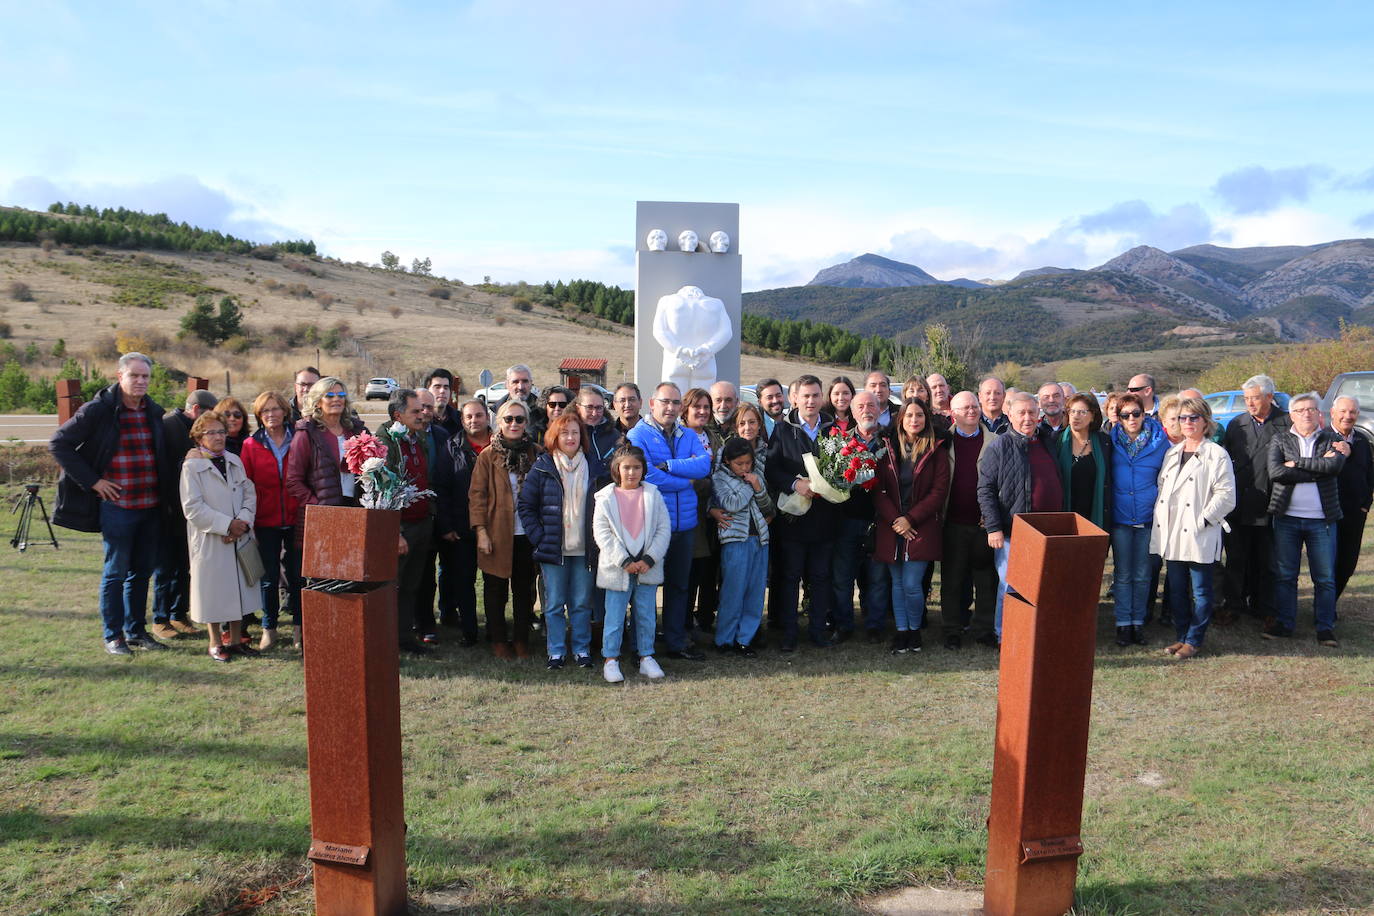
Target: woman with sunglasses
column 1138, row 445
column 504, row 553
column 235, row 417
column 1197, row 488
column 315, row 475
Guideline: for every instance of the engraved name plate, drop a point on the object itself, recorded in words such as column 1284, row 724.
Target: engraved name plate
column 321, row 851
column 1059, row 847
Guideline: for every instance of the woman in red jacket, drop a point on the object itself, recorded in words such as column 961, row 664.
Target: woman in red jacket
column 264, row 460
column 913, row 481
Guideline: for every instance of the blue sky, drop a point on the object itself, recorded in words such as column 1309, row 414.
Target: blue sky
column 512, row 139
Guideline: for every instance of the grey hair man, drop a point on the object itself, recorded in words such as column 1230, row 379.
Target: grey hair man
column 410, row 453
column 939, row 393
column 1016, row 474
column 1305, row 506
column 967, row 567
column 1356, row 486
column 992, row 396
column 113, row 456
column 851, row 560
column 1250, row 569
column 1053, row 421
column 724, row 400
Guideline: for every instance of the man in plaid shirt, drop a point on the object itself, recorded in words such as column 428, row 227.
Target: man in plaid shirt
column 115, row 481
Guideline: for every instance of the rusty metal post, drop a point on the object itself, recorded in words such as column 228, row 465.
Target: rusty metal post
column 68, row 399
column 353, row 713
column 196, row 383
column 1044, row 696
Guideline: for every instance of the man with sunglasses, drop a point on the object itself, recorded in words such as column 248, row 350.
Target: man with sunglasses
column 1305, row 503
column 1143, row 387
column 676, row 458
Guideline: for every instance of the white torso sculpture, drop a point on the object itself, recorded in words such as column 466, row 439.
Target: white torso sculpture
column 691, row 327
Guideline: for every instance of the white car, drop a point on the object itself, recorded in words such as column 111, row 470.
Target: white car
column 495, row 392
column 380, row 388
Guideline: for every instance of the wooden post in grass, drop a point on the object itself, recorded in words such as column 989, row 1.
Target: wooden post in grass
column 68, row 399
column 353, row 712
column 1044, row 696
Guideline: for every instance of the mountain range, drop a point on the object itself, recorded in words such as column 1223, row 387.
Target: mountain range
column 1143, row 298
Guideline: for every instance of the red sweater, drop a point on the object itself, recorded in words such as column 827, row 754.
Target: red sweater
column 276, row 507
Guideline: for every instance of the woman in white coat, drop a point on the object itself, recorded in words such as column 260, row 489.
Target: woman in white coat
column 220, row 505
column 631, row 528
column 1197, row 488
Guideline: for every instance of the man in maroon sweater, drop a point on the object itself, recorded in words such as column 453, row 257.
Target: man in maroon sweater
column 967, row 567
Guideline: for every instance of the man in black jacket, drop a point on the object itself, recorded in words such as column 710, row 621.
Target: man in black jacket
column 172, row 578
column 1356, row 487
column 1305, row 505
column 115, row 480
column 805, row 541
column 1249, row 544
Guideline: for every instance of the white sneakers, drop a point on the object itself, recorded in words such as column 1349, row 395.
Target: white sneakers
column 611, row 671
column 649, row 668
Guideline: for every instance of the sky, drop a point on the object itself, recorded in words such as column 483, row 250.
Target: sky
column 974, row 138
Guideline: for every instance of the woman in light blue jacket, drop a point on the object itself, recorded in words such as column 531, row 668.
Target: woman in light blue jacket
column 1139, row 444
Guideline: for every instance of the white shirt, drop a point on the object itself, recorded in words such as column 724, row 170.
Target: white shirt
column 348, row 484
column 1306, row 501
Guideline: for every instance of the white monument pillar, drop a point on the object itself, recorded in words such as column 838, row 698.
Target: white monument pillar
column 687, row 302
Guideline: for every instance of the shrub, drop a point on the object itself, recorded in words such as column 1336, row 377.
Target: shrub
column 149, row 342
column 395, row 311
column 301, row 267
column 48, row 245
column 272, row 285
column 299, row 290
column 500, row 321
column 19, row 291
column 438, row 292
column 362, row 305
column 521, row 304
column 1296, row 368
column 1011, row 374
column 239, row 343
column 105, row 347
column 264, row 253
column 325, row 300
column 59, row 349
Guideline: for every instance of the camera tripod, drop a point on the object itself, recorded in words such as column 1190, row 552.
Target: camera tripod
column 24, row 505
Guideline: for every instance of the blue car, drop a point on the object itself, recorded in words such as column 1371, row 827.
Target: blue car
column 1227, row 405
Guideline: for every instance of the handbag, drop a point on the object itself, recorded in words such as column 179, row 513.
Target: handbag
column 250, row 561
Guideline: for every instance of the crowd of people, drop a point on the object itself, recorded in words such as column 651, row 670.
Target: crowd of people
column 695, row 523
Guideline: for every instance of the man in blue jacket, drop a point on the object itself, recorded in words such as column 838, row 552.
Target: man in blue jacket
column 676, row 458
column 115, row 480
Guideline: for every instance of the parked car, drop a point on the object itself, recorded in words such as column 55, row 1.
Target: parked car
column 1227, row 405
column 1357, row 385
column 380, row 388
column 496, row 391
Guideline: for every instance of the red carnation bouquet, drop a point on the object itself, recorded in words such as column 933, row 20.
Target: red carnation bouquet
column 843, row 464
column 382, row 488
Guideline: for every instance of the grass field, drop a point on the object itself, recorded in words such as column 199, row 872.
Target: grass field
column 1241, row 782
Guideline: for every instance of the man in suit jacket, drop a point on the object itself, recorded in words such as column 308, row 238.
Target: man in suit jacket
column 1250, row 571
column 1356, row 487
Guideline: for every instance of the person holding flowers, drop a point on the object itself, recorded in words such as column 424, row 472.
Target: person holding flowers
column 913, row 481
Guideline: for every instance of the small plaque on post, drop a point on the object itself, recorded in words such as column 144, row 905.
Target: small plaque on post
column 321, row 851
column 1059, row 847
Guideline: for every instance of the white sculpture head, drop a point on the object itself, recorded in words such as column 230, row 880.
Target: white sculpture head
column 688, row 240
column 720, row 241
column 656, row 240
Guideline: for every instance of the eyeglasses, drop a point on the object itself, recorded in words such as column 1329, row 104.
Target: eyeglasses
column 1130, row 414
column 559, row 404
column 594, row 408
column 336, row 394
column 669, row 401
column 233, row 414
column 1304, row 410
column 214, row 432
column 1189, row 417
column 1136, row 389
column 1080, row 412
column 514, row 421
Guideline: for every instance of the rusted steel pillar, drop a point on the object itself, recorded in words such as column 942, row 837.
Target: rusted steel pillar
column 1044, row 696
column 68, row 399
column 196, row 383
column 353, row 711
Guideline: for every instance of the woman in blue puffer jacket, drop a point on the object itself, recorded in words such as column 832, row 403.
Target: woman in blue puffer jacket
column 555, row 509
column 1138, row 447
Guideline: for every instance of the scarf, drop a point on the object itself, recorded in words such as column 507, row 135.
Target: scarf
column 516, row 457
column 573, row 473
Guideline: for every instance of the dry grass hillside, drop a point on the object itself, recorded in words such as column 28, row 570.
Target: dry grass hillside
column 389, row 323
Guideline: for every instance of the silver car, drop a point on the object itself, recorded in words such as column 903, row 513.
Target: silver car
column 380, row 388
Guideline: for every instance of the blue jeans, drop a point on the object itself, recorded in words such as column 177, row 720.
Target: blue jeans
column 569, row 591
column 999, row 560
column 677, row 593
column 908, row 593
column 1131, row 574
column 743, row 575
column 131, row 551
column 1290, row 534
column 845, row 567
column 1192, row 613
column 641, row 598
column 877, row 598
column 277, row 546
